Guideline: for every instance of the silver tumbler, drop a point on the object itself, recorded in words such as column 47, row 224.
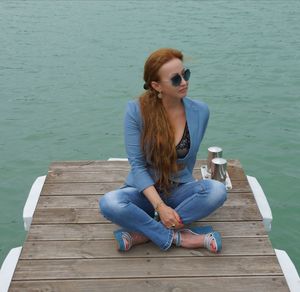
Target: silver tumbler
column 218, row 169
column 213, row 152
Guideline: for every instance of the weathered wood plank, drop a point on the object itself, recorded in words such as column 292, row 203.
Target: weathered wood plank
column 57, row 176
column 240, row 186
column 84, row 165
column 234, row 167
column 104, row 231
column 98, row 165
column 55, row 189
column 91, row 201
column 220, row 284
column 147, row 267
column 107, row 249
column 84, row 202
column 100, row 176
column 74, row 215
column 116, row 175
column 88, row 165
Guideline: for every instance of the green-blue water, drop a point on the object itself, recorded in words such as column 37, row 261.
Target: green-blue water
column 67, row 69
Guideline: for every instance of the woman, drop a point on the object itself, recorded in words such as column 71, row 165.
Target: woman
column 163, row 131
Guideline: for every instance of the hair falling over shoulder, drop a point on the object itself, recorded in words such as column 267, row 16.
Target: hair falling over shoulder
column 158, row 138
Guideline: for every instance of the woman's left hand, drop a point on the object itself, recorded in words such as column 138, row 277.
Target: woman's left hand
column 169, row 217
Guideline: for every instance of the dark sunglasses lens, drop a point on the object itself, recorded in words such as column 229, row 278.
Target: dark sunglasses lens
column 176, row 80
column 187, row 74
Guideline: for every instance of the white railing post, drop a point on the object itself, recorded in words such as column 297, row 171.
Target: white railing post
column 8, row 268
column 289, row 270
column 262, row 202
column 32, row 200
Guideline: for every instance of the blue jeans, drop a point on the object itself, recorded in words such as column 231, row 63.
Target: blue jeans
column 131, row 210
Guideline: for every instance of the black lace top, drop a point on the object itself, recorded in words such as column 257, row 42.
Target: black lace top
column 183, row 147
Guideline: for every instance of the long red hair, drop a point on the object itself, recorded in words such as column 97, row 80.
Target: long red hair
column 158, row 138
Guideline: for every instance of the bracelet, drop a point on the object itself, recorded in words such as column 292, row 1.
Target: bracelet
column 158, row 204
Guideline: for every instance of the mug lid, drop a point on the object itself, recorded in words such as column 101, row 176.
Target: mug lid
column 219, row 160
column 215, row 149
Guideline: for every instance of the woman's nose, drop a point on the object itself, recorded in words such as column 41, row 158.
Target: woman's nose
column 184, row 82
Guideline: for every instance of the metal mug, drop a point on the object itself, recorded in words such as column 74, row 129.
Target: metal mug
column 218, row 169
column 213, row 152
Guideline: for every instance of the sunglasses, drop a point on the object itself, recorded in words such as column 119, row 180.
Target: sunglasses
column 177, row 79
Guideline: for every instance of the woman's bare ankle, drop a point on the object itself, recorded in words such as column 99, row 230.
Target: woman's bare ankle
column 190, row 240
column 138, row 238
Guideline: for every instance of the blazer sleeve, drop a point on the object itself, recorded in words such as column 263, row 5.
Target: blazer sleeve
column 132, row 131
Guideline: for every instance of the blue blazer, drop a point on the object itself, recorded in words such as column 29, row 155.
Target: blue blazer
column 142, row 175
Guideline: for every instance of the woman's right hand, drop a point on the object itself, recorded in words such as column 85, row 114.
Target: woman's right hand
column 169, row 217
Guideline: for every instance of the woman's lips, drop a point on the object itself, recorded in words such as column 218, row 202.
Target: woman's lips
column 183, row 89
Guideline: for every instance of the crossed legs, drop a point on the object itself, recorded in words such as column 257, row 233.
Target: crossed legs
column 134, row 213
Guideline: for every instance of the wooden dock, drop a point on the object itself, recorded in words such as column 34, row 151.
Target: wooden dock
column 70, row 245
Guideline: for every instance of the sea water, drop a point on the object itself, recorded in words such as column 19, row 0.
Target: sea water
column 68, row 68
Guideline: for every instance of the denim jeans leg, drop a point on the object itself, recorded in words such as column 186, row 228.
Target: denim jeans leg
column 130, row 209
column 197, row 199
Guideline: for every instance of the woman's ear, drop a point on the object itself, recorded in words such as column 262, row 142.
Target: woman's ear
column 156, row 86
